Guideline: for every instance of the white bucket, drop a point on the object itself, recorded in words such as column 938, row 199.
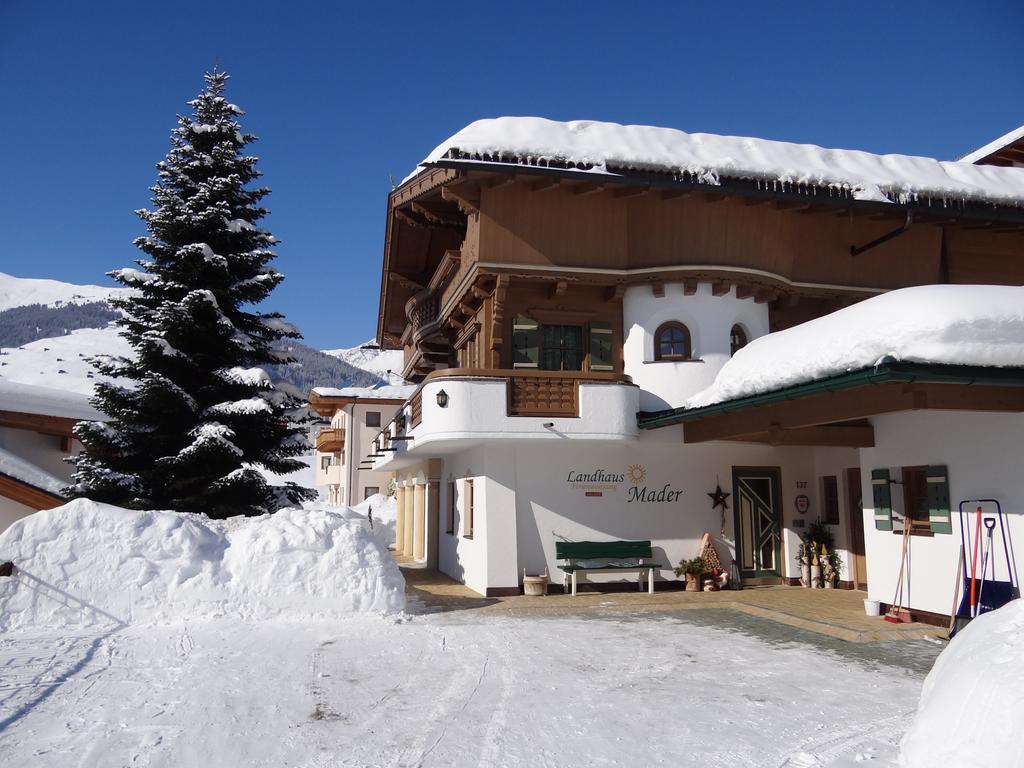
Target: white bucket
column 535, row 585
column 872, row 607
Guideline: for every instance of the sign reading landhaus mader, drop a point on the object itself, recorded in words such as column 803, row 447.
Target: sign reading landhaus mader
column 597, row 481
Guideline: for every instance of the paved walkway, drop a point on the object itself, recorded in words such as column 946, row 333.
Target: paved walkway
column 838, row 613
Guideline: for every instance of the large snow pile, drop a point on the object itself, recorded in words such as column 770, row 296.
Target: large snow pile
column 86, row 564
column 22, row 291
column 950, row 324
column 972, row 704
column 610, row 148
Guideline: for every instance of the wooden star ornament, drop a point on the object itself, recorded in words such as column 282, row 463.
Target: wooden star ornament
column 718, row 499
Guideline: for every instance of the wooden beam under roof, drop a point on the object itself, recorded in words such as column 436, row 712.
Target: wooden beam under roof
column 466, row 195
column 675, row 194
column 843, row 435
column 719, row 288
column 851, row 404
column 499, row 180
column 690, row 286
column 57, row 426
column 627, row 192
column 587, row 189
column 545, row 183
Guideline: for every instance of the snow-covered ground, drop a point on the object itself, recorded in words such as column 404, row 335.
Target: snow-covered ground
column 442, row 690
column 163, row 639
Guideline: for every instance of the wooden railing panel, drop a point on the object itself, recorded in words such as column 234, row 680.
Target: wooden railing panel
column 534, row 396
column 330, row 440
column 416, row 409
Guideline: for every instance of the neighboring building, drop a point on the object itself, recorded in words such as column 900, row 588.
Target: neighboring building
column 35, row 440
column 1006, row 151
column 356, row 416
column 564, row 292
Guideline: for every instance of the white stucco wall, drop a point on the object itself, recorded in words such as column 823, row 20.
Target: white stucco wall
column 982, row 453
column 42, row 450
column 709, row 320
column 11, row 511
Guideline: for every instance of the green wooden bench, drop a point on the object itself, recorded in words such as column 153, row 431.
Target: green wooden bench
column 601, row 556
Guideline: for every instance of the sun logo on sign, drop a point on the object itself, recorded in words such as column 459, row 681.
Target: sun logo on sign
column 637, row 473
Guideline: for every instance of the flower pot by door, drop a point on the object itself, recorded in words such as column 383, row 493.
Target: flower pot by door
column 692, row 582
column 805, row 575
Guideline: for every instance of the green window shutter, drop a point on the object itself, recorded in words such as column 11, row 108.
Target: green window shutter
column 938, row 500
column 525, row 342
column 881, row 492
column 600, row 346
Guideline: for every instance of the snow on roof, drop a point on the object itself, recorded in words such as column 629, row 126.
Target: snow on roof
column 45, row 401
column 383, row 392
column 611, row 149
column 994, row 146
column 29, row 473
column 980, row 325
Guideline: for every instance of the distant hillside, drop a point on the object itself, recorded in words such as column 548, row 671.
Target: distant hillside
column 20, row 325
column 371, row 358
column 313, row 368
column 49, row 329
column 23, row 291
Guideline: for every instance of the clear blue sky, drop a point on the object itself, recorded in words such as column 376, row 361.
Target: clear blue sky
column 343, row 96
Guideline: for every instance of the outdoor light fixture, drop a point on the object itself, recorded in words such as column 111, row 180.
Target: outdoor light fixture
column 442, row 399
column 548, row 424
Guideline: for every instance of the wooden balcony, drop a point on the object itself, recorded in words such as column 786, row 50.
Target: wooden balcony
column 331, row 440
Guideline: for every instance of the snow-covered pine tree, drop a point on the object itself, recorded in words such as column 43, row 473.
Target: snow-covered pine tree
column 193, row 415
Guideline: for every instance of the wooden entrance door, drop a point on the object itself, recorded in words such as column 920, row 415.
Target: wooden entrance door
column 757, row 497
column 855, row 512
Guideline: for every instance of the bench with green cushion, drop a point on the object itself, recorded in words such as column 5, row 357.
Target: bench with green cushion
column 605, row 556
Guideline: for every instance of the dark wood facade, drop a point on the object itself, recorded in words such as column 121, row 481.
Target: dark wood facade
column 469, row 249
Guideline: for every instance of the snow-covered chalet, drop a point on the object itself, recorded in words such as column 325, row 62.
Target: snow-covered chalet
column 606, row 324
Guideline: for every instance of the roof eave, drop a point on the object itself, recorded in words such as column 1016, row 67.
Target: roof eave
column 910, row 373
column 757, row 189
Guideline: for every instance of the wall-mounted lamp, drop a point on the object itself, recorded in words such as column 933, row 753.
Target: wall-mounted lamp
column 442, row 399
column 548, row 424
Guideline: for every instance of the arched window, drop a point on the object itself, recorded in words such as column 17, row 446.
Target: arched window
column 737, row 339
column 672, row 342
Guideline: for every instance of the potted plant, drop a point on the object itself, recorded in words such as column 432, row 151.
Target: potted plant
column 692, row 570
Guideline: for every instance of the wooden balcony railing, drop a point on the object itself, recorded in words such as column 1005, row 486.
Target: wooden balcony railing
column 534, row 395
column 330, row 440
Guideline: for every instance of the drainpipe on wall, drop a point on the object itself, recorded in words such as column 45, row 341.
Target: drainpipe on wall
column 349, row 448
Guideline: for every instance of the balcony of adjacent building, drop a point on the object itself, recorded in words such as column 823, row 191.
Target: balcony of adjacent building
column 456, row 408
column 330, row 440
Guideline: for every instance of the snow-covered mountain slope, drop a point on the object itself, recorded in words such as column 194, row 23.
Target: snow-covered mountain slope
column 372, row 358
column 22, row 291
column 61, row 362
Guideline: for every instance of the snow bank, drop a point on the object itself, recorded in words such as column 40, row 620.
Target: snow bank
column 87, row 564
column 608, row 148
column 971, row 711
column 385, row 516
column 950, row 324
